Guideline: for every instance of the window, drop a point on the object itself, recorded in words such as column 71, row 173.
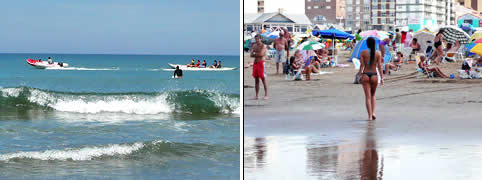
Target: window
column 309, row 0
column 357, row 1
column 328, row 7
column 349, row 2
column 315, row 0
column 315, row 7
column 328, row 0
column 309, row 7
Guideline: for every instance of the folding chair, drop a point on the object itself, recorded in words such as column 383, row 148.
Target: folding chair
column 424, row 70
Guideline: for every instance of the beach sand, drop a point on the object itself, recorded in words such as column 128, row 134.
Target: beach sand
column 425, row 128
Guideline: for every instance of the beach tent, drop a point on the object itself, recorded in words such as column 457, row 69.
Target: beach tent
column 361, row 46
column 423, row 37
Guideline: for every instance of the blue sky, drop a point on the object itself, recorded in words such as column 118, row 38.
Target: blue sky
column 120, row 26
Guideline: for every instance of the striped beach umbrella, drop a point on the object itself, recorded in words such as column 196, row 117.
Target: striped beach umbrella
column 452, row 34
column 310, row 45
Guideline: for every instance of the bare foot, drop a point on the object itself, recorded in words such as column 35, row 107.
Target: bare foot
column 255, row 98
column 370, row 118
column 265, row 98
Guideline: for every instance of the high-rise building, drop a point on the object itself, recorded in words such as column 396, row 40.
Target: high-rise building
column 419, row 13
column 383, row 14
column 321, row 11
column 358, row 14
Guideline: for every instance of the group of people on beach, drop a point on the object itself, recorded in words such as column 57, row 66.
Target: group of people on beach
column 216, row 64
column 372, row 61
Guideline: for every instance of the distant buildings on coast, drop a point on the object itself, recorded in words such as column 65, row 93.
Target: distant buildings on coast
column 352, row 15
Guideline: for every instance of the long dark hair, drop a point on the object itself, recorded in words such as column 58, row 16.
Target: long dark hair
column 371, row 46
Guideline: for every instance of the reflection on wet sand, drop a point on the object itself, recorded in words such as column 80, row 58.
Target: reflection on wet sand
column 313, row 158
column 369, row 168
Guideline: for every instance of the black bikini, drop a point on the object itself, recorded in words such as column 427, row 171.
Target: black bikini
column 437, row 44
column 370, row 74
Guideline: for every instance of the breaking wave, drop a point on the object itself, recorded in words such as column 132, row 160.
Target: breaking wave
column 190, row 101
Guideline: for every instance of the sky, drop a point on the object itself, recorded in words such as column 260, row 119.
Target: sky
column 207, row 27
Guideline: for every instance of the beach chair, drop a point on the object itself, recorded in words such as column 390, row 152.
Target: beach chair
column 424, row 70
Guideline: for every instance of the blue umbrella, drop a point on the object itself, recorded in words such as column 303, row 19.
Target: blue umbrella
column 332, row 34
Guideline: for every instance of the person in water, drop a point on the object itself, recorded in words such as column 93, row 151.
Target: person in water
column 177, row 72
column 370, row 60
column 219, row 65
column 50, row 61
column 203, row 65
column 191, row 64
column 215, row 64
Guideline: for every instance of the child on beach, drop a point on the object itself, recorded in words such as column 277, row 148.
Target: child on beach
column 370, row 60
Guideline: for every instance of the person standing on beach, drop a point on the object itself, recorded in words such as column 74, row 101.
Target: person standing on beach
column 258, row 52
column 398, row 40
column 382, row 45
column 280, row 44
column 370, row 60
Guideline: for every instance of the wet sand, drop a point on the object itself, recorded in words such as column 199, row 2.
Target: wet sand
column 425, row 128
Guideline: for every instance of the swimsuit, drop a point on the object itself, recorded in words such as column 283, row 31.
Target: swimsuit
column 258, row 70
column 370, row 74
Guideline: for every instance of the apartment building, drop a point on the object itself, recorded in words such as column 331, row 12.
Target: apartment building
column 419, row 13
column 383, row 14
column 358, row 14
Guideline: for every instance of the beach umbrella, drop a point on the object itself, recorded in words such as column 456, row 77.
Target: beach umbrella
column 452, row 34
column 477, row 49
column 423, row 37
column 478, row 41
column 378, row 34
column 469, row 47
column 475, row 36
column 310, row 45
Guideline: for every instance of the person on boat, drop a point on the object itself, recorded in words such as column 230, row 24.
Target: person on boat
column 50, row 61
column 177, row 72
column 370, row 60
column 198, row 64
column 215, row 64
column 192, row 63
column 204, row 64
column 219, row 65
column 39, row 60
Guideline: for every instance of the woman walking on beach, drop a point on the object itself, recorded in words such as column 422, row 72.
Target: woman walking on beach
column 438, row 46
column 371, row 59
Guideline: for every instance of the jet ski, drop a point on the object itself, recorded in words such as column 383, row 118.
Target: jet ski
column 45, row 64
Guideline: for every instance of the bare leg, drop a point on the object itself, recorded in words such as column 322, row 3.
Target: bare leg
column 373, row 89
column 439, row 55
column 440, row 73
column 366, row 89
column 308, row 73
column 265, row 88
column 256, row 87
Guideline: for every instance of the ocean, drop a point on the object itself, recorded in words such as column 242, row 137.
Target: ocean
column 119, row 117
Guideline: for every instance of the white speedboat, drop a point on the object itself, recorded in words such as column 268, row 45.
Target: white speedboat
column 45, row 64
column 184, row 67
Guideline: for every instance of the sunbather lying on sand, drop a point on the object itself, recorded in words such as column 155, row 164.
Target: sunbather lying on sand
column 428, row 69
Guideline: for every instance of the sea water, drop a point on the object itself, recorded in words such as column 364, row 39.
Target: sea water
column 118, row 116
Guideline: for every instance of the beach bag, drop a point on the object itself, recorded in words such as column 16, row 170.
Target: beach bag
column 356, row 78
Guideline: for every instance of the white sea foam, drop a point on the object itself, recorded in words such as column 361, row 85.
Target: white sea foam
column 12, row 92
column 82, row 154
